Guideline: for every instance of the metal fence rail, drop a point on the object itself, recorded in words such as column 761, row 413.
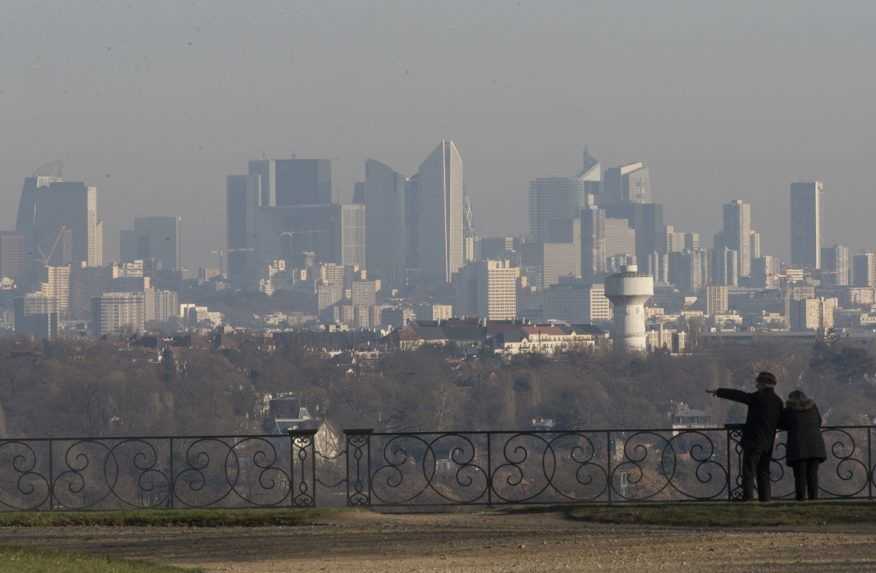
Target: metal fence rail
column 407, row 469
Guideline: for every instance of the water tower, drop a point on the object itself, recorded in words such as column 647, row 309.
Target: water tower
column 628, row 291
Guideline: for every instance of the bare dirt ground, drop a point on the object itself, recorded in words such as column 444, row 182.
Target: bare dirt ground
column 371, row 543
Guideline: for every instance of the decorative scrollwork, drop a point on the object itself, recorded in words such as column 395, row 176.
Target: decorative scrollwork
column 405, row 469
column 551, row 467
column 851, row 475
column 25, row 483
column 429, row 469
column 231, row 471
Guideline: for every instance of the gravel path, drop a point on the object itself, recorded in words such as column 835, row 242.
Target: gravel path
column 372, row 543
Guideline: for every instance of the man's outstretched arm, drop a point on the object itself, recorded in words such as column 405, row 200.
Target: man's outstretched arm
column 731, row 394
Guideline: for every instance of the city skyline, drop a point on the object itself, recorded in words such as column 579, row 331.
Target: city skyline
column 131, row 115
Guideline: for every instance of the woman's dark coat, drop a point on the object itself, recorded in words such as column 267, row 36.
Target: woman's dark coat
column 802, row 420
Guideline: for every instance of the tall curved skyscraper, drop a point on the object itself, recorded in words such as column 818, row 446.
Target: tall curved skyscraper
column 440, row 214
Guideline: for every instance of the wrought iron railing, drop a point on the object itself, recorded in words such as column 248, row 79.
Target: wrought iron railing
column 367, row 468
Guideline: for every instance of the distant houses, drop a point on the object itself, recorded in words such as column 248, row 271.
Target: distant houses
column 506, row 338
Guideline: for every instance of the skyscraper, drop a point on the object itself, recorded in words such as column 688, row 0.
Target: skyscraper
column 864, row 269
column 12, row 255
column 835, row 265
column 386, row 233
column 620, row 238
column 590, row 174
column 56, row 285
column 294, row 181
column 439, row 195
column 154, row 238
column 629, row 183
column 353, row 230
column 764, row 272
column 593, row 242
column 647, row 220
column 334, row 233
column 243, row 197
column 554, row 203
column 736, row 233
column 686, row 270
column 806, row 216
column 59, row 220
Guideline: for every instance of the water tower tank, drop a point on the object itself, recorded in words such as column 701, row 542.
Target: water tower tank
column 628, row 291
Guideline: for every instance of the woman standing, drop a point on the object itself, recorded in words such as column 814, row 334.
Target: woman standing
column 805, row 449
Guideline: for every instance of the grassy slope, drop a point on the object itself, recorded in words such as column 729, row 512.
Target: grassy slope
column 32, row 561
column 169, row 517
column 731, row 514
column 690, row 514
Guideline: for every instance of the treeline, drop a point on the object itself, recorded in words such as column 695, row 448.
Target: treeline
column 88, row 387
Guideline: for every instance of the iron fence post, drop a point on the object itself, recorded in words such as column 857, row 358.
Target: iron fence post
column 51, row 475
column 489, row 469
column 358, row 446
column 291, row 434
column 304, row 495
column 729, row 478
column 608, row 453
column 171, row 478
column 869, row 463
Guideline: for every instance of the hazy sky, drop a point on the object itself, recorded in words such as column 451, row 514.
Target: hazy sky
column 155, row 102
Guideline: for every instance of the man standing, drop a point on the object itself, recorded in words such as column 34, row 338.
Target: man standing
column 758, row 434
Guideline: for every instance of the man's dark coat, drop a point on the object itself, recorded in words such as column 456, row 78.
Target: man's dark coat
column 764, row 414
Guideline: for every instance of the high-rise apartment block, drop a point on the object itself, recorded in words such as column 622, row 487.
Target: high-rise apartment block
column 806, row 217
column 717, row 300
column 487, row 289
column 118, row 312
column 813, row 313
column 55, row 285
column 160, row 305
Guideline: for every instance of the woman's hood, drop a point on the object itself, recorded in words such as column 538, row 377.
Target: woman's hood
column 800, row 405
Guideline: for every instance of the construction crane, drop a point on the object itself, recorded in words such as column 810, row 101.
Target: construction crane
column 46, row 257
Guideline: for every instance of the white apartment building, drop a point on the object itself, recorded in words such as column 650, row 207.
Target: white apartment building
column 487, row 289
column 116, row 312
